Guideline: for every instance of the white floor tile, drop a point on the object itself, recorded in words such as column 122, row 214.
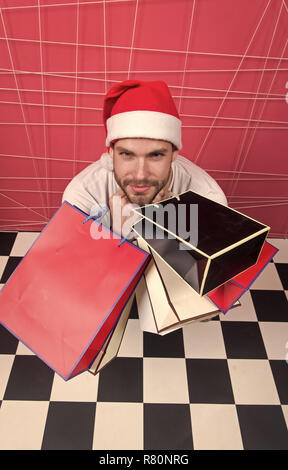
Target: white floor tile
column 165, row 380
column 204, row 340
column 275, row 337
column 3, row 262
column 268, row 279
column 282, row 245
column 118, row 426
column 252, row 382
column 83, row 387
column 6, row 362
column 285, row 413
column 22, row 424
column 245, row 312
column 215, row 427
column 23, row 242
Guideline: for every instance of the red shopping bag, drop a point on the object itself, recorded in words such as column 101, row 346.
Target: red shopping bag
column 68, row 292
column 225, row 296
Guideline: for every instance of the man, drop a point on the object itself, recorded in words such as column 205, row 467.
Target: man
column 142, row 164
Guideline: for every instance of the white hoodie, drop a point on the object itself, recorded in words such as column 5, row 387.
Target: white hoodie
column 92, row 188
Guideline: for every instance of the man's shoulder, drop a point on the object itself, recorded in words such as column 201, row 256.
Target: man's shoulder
column 91, row 185
column 103, row 165
column 188, row 167
column 188, row 175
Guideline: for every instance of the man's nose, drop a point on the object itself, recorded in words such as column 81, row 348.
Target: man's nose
column 141, row 169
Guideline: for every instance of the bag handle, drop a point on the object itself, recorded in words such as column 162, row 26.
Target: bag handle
column 97, row 216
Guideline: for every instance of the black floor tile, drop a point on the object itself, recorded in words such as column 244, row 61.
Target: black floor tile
column 270, row 305
column 280, row 374
column 7, row 240
column 209, row 381
column 170, row 345
column 8, row 342
column 262, row 427
column 282, row 269
column 167, row 427
column 122, row 380
column 30, row 379
column 10, row 267
column 243, row 340
column 69, row 426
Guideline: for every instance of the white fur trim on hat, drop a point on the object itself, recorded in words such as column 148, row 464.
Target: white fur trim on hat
column 144, row 124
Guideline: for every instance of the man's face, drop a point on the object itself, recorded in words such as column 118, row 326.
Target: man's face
column 142, row 167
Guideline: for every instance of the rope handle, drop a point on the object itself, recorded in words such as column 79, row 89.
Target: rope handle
column 97, row 216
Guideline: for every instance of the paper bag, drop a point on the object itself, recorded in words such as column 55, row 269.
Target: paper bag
column 68, row 292
column 165, row 301
column 225, row 296
column 113, row 342
column 205, row 242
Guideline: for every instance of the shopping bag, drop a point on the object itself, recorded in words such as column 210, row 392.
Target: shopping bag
column 113, row 342
column 225, row 296
column 203, row 241
column 165, row 301
column 68, row 292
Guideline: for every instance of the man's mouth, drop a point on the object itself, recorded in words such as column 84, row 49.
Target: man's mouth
column 139, row 189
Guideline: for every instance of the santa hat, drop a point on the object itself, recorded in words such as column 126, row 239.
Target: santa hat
column 141, row 109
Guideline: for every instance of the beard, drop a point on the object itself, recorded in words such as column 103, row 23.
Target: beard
column 141, row 199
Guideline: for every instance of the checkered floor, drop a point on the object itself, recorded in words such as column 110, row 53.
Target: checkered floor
column 221, row 384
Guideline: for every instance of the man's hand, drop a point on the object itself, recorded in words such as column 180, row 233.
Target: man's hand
column 162, row 195
column 122, row 213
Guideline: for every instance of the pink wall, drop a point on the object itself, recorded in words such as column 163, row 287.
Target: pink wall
column 224, row 61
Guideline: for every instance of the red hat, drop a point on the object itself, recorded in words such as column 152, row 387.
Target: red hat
column 141, row 109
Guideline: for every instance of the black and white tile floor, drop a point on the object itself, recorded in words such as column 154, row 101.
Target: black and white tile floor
column 221, row 384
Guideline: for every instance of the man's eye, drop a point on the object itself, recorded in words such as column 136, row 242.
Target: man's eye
column 156, row 155
column 126, row 154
